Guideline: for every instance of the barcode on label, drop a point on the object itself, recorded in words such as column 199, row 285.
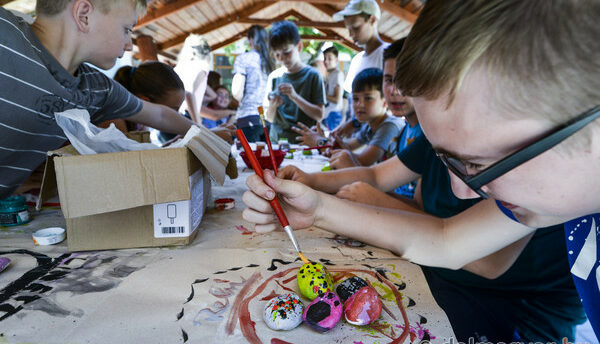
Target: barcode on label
column 173, row 230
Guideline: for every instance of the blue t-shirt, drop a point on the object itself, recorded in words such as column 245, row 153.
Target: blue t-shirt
column 582, row 236
column 409, row 134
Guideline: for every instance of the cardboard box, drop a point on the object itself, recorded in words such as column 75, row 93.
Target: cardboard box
column 128, row 199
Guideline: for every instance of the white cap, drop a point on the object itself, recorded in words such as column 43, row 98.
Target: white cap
column 355, row 7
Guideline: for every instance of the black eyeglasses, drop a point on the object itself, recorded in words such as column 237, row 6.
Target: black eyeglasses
column 476, row 181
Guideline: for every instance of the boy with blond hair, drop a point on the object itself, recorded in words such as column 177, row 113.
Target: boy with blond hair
column 43, row 71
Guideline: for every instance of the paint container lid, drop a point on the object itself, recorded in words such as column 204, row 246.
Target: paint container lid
column 224, row 203
column 49, row 236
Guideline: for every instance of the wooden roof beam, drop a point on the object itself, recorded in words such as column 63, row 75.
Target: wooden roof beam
column 155, row 14
column 232, row 18
column 308, row 23
column 4, row 2
column 329, row 32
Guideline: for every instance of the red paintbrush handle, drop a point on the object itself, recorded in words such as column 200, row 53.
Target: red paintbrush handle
column 258, row 170
column 268, row 139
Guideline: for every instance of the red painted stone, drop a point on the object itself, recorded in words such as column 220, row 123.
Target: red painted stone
column 363, row 307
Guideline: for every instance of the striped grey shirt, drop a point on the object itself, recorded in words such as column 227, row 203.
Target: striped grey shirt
column 34, row 86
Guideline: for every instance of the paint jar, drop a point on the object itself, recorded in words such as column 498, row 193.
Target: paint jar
column 13, row 211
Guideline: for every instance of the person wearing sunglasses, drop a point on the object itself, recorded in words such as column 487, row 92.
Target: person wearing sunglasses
column 504, row 90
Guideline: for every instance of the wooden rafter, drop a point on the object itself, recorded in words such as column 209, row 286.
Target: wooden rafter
column 315, row 24
column 329, row 32
column 232, row 18
column 155, row 14
column 4, row 2
column 386, row 5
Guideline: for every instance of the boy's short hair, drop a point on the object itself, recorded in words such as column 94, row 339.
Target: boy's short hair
column 393, row 50
column 367, row 80
column 544, row 65
column 283, row 33
column 331, row 50
column 53, row 7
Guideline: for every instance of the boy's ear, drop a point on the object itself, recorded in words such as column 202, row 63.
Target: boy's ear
column 372, row 20
column 81, row 12
column 300, row 46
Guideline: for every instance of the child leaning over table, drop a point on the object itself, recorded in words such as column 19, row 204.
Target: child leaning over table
column 43, row 71
column 379, row 130
column 299, row 94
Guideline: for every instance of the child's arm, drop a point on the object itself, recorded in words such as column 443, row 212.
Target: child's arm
column 237, row 86
column 215, row 114
column 364, row 193
column 450, row 242
column 313, row 111
column 336, row 96
column 162, row 118
column 369, row 155
column 385, row 176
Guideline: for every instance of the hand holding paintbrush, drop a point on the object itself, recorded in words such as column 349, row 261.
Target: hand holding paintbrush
column 275, row 204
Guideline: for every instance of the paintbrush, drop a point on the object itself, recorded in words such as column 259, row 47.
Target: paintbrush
column 275, row 204
column 267, row 138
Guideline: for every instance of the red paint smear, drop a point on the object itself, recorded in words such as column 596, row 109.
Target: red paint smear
column 232, row 322
column 270, row 296
column 290, row 279
column 279, row 341
column 221, row 280
column 284, row 287
column 246, row 323
column 244, row 230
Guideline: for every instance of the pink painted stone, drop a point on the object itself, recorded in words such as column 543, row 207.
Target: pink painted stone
column 324, row 312
column 363, row 307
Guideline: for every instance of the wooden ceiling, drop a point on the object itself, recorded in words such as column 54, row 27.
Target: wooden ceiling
column 223, row 22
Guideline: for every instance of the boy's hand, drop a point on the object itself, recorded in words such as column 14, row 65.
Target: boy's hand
column 225, row 131
column 299, row 202
column 342, row 158
column 344, row 130
column 291, row 172
column 362, row 192
column 288, row 90
column 309, row 137
column 275, row 101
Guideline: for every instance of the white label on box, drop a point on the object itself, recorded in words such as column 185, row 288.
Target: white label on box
column 180, row 219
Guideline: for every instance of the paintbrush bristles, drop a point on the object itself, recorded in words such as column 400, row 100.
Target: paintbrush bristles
column 306, row 261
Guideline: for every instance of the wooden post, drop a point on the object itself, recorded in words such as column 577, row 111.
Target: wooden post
column 147, row 48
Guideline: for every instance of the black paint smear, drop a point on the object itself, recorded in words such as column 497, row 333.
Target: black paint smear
column 381, row 272
column 191, row 296
column 185, row 335
column 252, row 266
column 27, row 299
column 326, row 261
column 426, row 338
column 411, row 302
column 55, row 275
column 37, row 287
column 422, row 319
column 369, row 266
column 220, row 272
column 44, row 265
column 401, row 286
column 200, row 280
column 180, row 314
column 282, row 262
column 370, row 253
column 235, row 269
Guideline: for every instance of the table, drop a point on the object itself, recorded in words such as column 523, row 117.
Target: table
column 211, row 291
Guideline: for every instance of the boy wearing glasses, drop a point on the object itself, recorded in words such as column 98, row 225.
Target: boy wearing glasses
column 503, row 80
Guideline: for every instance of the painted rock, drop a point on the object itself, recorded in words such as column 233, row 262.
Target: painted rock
column 324, row 312
column 284, row 312
column 349, row 286
column 363, row 307
column 4, row 262
column 313, row 279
